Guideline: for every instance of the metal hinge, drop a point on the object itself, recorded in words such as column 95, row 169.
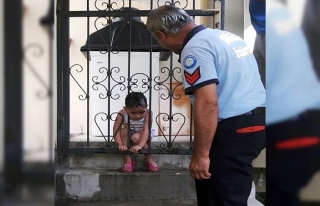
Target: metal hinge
column 216, row 15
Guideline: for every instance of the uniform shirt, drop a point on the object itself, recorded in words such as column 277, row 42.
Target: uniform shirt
column 292, row 84
column 215, row 56
column 257, row 9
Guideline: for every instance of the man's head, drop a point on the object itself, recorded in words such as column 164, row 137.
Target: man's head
column 165, row 22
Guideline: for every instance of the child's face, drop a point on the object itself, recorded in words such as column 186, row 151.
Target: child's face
column 136, row 113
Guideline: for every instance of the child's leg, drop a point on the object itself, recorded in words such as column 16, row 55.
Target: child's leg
column 149, row 162
column 124, row 137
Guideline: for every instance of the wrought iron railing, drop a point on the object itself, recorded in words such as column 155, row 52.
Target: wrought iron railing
column 110, row 83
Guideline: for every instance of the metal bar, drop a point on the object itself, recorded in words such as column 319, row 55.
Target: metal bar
column 13, row 99
column 196, row 12
column 109, row 81
column 171, row 73
column 63, row 76
column 88, row 77
column 114, row 150
column 129, row 76
column 51, row 103
column 60, row 51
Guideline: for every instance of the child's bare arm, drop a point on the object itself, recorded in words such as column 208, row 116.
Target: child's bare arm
column 144, row 136
column 117, row 128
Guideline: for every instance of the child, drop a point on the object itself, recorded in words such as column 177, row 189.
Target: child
column 136, row 109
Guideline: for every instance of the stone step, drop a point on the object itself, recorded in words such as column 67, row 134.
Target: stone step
column 82, row 187
column 115, row 161
column 100, row 184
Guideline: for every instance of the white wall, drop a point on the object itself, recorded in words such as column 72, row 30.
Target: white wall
column 35, row 109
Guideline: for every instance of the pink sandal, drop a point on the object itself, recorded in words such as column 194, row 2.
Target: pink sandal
column 128, row 167
column 152, row 167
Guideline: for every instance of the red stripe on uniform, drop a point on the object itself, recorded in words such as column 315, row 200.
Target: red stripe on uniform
column 299, row 142
column 250, row 129
column 192, row 78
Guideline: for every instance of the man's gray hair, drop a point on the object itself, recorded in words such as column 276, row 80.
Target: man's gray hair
column 168, row 18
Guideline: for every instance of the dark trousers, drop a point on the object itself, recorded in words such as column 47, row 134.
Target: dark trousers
column 293, row 156
column 231, row 157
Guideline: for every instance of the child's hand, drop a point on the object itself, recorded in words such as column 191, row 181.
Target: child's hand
column 135, row 149
column 123, row 148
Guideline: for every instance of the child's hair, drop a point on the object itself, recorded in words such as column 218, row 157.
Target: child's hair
column 135, row 99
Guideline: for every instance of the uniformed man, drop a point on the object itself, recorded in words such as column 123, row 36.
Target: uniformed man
column 221, row 77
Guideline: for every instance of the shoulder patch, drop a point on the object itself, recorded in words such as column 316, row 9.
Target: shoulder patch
column 189, row 61
column 194, row 77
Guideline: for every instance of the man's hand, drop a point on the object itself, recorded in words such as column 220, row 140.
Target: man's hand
column 135, row 149
column 123, row 148
column 199, row 167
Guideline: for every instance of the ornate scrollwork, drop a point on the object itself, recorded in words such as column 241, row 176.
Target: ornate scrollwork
column 107, row 5
column 107, row 117
column 170, row 144
column 109, row 93
column 37, row 52
column 172, row 2
column 176, row 70
column 81, row 96
column 142, row 86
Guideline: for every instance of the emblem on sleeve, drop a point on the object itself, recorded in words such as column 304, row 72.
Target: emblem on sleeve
column 189, row 61
column 194, row 77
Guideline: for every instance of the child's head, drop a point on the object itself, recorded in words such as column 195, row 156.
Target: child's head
column 136, row 99
column 136, row 105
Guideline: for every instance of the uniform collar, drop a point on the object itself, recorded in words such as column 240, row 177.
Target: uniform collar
column 189, row 36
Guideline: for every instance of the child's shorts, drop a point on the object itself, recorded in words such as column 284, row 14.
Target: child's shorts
column 132, row 131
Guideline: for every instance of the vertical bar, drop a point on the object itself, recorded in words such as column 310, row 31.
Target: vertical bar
column 171, row 73
column 66, row 77
column 129, row 68
column 150, row 87
column 63, row 80
column 222, row 14
column 13, row 94
column 109, row 76
column 2, row 102
column 60, row 118
column 88, row 76
column 51, row 85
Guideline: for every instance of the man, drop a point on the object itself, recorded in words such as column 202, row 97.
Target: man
column 222, row 80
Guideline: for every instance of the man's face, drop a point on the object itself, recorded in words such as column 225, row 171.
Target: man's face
column 160, row 40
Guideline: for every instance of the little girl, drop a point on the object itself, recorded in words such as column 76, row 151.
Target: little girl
column 136, row 109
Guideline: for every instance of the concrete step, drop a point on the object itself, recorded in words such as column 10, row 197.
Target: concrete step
column 115, row 161
column 166, row 202
column 101, row 184
column 84, row 187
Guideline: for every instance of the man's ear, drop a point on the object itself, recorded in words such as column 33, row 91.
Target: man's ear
column 160, row 35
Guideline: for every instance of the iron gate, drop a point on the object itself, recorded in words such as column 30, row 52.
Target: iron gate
column 104, row 86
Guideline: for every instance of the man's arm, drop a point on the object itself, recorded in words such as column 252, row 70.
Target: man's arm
column 205, row 123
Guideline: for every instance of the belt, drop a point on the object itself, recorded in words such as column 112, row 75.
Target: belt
column 258, row 110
